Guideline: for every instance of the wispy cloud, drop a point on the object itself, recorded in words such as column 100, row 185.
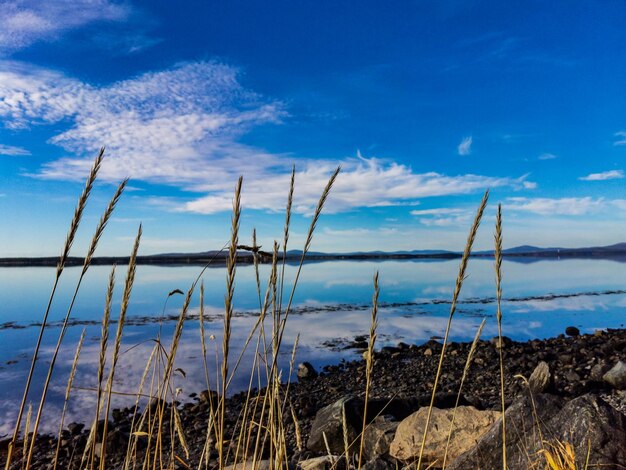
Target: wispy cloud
column 13, row 151
column 621, row 138
column 182, row 127
column 547, row 156
column 465, row 147
column 605, row 175
column 362, row 183
column 25, row 22
column 549, row 206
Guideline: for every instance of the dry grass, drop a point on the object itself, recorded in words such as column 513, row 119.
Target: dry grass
column 69, row 241
column 498, row 268
column 261, row 428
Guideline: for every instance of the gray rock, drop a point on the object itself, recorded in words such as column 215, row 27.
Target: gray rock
column 520, row 422
column 540, row 379
column 616, row 377
column 306, row 371
column 378, row 436
column 329, row 421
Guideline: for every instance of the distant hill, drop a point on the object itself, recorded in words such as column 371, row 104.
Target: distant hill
column 523, row 253
column 618, row 249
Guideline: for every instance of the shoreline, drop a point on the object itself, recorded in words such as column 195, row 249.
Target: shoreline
column 403, row 377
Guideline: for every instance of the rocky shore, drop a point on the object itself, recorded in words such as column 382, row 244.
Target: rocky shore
column 578, row 387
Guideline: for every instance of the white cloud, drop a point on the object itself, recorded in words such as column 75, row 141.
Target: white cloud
column 465, row 147
column 13, row 151
column 605, row 175
column 562, row 206
column 621, row 138
column 438, row 211
column 547, row 156
column 442, row 217
column 182, row 127
column 25, row 22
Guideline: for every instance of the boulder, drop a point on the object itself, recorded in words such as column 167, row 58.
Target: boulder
column 378, row 436
column 572, row 331
column 329, row 421
column 586, row 423
column 616, row 377
column 469, row 425
column 306, row 371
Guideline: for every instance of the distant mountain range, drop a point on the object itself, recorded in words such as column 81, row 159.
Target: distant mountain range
column 523, row 253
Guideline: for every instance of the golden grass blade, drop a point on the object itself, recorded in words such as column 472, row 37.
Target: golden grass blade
column 104, row 339
column 459, row 283
column 369, row 363
column 69, row 241
column 87, row 262
column 346, row 440
column 307, row 246
column 128, row 287
column 104, row 220
column 468, row 362
column 29, row 415
column 132, row 441
column 203, row 338
column 292, row 184
column 498, row 268
column 68, row 391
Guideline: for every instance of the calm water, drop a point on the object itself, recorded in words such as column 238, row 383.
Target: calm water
column 331, row 306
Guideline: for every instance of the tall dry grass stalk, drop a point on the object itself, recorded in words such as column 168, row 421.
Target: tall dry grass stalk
column 307, row 246
column 459, row 283
column 203, row 338
column 498, row 268
column 29, row 415
column 69, row 241
column 128, row 287
column 466, row 368
column 86, row 264
column 292, row 184
column 166, row 379
column 68, row 391
column 228, row 312
column 369, row 363
column 104, row 340
column 132, row 441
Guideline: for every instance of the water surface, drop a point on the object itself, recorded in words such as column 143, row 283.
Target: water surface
column 331, row 305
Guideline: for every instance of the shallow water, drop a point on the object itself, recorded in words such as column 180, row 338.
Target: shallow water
column 331, row 305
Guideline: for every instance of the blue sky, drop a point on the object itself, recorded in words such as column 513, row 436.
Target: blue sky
column 425, row 104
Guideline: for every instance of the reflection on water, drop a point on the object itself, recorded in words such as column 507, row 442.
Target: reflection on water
column 331, row 303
